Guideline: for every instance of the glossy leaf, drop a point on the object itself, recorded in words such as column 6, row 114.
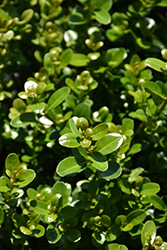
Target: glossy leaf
column 113, row 233
column 23, row 119
column 73, row 127
column 25, row 230
column 113, row 171
column 98, row 4
column 136, row 217
column 79, row 60
column 109, row 143
column 58, row 97
column 63, row 189
column 153, row 88
column 25, row 179
column 39, row 231
column 70, row 165
column 69, row 140
column 12, row 163
column 150, row 188
column 157, row 202
column 52, row 234
column 155, row 64
column 148, row 228
column 39, row 207
column 102, row 16
column 98, row 161
column 99, row 131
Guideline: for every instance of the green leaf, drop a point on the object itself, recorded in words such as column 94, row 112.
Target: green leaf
column 162, row 3
column 73, row 235
column 77, row 19
column 58, row 97
column 125, row 186
column 113, row 172
column 157, row 202
column 39, row 207
column 113, row 232
column 79, row 60
column 26, row 16
column 63, row 189
column 69, row 140
column 155, row 64
column 70, row 165
column 32, row 193
column 38, row 107
column 73, row 127
column 52, row 234
column 98, row 4
column 23, row 119
column 82, row 110
column 65, row 58
column 127, row 127
column 3, row 186
column 68, row 212
column 1, row 216
column 134, row 174
column 98, row 237
column 102, row 16
column 109, row 143
column 25, row 230
column 149, row 228
column 99, row 131
column 25, row 179
column 153, row 88
column 12, row 163
column 136, row 217
column 98, row 161
column 38, row 231
column 3, row 14
column 115, row 246
column 139, row 114
column 150, row 188
column 135, row 148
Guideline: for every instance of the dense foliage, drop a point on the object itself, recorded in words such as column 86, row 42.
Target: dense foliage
column 83, row 114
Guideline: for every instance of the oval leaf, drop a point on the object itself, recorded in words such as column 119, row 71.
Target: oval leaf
column 23, row 119
column 155, row 64
column 157, row 202
column 12, row 163
column 109, row 143
column 98, row 161
column 79, row 60
column 113, row 172
column 69, row 140
column 25, row 179
column 70, row 165
column 99, row 131
column 150, row 188
column 148, row 228
column 58, row 97
column 136, row 217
